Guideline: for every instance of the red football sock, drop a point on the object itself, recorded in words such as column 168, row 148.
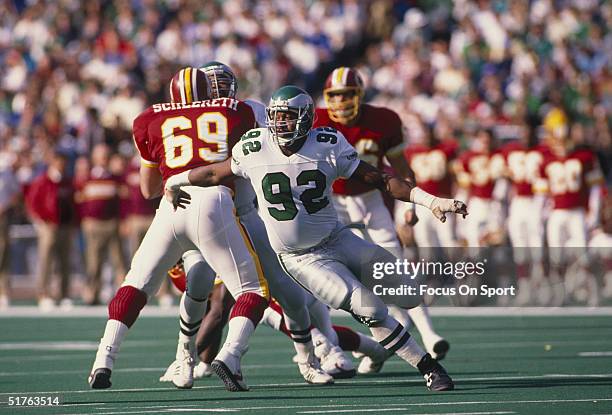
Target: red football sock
column 347, row 338
column 126, row 305
column 251, row 306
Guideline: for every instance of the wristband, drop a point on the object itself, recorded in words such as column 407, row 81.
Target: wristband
column 421, row 197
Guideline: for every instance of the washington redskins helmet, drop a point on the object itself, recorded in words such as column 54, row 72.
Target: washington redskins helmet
column 343, row 79
column 222, row 79
column 189, row 85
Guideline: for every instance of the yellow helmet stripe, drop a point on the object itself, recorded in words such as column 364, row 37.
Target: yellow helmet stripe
column 338, row 77
column 187, row 84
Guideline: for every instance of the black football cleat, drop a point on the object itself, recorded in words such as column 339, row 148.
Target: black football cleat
column 233, row 381
column 438, row 380
column 435, row 375
column 100, row 378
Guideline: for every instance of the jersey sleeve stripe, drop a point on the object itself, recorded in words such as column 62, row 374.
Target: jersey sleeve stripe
column 148, row 163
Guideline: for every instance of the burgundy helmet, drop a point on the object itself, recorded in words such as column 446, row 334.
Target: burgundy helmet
column 342, row 80
column 189, row 85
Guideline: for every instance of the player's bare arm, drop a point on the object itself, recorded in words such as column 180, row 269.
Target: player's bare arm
column 405, row 190
column 399, row 164
column 151, row 183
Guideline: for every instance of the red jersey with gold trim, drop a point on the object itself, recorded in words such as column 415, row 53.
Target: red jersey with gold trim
column 522, row 165
column 377, row 131
column 478, row 171
column 431, row 166
column 177, row 137
column 569, row 178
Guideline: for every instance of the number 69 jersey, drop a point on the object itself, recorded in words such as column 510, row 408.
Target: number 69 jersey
column 294, row 192
column 176, row 137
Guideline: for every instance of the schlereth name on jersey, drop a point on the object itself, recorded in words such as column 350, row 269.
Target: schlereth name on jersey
column 217, row 102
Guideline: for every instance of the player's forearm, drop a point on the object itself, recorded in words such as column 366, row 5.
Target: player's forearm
column 203, row 177
column 151, row 189
column 402, row 169
column 398, row 188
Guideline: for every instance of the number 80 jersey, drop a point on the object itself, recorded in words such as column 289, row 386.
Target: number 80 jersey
column 177, row 137
column 294, row 192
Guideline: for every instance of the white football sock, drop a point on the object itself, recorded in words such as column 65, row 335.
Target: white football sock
column 319, row 316
column 370, row 347
column 393, row 337
column 271, row 318
column 420, row 317
column 110, row 343
column 401, row 315
column 304, row 350
column 191, row 313
column 240, row 329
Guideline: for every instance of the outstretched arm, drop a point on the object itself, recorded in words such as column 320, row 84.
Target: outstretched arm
column 203, row 176
column 407, row 191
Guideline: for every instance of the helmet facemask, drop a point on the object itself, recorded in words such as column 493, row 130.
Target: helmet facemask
column 341, row 106
column 289, row 124
column 222, row 81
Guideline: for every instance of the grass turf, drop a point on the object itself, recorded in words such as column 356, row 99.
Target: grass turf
column 501, row 365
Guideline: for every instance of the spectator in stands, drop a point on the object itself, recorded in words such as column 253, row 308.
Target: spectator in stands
column 50, row 202
column 99, row 206
column 9, row 196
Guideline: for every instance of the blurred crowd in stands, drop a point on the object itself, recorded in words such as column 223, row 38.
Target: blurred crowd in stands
column 76, row 73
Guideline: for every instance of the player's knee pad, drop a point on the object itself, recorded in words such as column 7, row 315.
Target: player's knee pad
column 199, row 284
column 126, row 304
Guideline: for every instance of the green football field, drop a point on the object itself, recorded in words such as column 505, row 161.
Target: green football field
column 501, row 365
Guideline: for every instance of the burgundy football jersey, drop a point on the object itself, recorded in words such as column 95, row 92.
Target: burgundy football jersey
column 569, row 178
column 479, row 171
column 431, row 166
column 377, row 131
column 178, row 137
column 523, row 165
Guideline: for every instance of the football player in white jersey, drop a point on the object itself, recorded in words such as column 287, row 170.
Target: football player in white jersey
column 287, row 293
column 291, row 167
column 377, row 134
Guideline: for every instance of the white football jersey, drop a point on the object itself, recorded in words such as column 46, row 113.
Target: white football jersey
column 245, row 196
column 294, row 193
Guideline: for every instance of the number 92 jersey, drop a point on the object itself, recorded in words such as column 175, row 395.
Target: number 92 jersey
column 294, row 192
column 377, row 132
column 176, row 137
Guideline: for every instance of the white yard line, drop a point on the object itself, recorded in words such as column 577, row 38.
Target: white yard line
column 595, row 354
column 335, row 411
column 355, row 407
column 348, row 382
column 155, row 311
